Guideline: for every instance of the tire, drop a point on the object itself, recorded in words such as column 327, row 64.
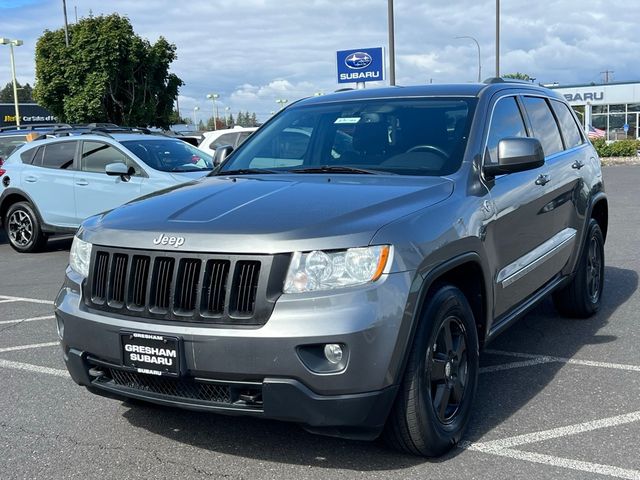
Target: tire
column 421, row 422
column 23, row 228
column 582, row 297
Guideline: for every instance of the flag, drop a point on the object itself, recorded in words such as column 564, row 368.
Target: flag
column 594, row 133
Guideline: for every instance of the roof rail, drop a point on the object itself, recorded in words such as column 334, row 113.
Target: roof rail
column 492, row 80
column 35, row 126
column 345, row 89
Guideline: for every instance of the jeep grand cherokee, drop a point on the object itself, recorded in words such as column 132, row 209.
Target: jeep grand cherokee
column 344, row 266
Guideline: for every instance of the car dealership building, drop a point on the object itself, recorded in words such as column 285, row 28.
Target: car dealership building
column 612, row 107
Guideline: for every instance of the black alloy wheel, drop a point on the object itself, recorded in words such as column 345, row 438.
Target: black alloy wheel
column 447, row 370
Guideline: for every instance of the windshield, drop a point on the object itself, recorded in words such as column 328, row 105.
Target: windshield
column 169, row 155
column 410, row 136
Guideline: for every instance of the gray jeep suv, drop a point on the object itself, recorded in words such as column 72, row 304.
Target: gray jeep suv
column 343, row 268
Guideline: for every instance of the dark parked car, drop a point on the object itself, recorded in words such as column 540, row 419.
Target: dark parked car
column 344, row 267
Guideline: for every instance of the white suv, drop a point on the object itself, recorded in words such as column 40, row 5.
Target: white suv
column 228, row 136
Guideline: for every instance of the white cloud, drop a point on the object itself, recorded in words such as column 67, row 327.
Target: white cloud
column 252, row 52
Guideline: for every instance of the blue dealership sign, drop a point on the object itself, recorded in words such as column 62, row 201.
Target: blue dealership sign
column 360, row 65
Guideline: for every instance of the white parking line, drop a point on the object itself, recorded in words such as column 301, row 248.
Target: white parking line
column 23, row 320
column 27, row 347
column 33, row 368
column 570, row 361
column 563, row 431
column 568, row 463
column 503, row 447
column 7, row 298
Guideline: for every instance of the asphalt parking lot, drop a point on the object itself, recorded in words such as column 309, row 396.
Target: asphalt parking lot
column 557, row 398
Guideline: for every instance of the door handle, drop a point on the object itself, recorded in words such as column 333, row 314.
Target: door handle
column 82, row 182
column 578, row 164
column 543, row 180
column 31, row 179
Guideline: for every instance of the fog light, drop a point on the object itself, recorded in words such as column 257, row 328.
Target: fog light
column 333, row 352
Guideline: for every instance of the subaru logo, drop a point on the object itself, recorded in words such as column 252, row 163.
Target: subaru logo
column 358, row 60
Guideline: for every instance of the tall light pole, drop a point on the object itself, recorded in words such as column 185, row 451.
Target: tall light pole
column 227, row 113
column 479, row 58
column 497, row 38
column 213, row 96
column 281, row 102
column 13, row 43
column 392, row 44
column 195, row 117
column 66, row 25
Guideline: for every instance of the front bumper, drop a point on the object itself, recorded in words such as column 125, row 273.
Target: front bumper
column 265, row 361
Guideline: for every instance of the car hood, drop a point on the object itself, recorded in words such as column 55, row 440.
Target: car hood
column 268, row 213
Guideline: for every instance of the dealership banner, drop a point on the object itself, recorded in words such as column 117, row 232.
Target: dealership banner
column 30, row 113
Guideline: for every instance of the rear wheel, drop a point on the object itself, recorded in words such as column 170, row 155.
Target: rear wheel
column 23, row 228
column 434, row 403
column 581, row 298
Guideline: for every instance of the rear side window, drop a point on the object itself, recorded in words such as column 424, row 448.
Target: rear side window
column 96, row 156
column 58, row 155
column 543, row 124
column 506, row 122
column 570, row 130
column 27, row 155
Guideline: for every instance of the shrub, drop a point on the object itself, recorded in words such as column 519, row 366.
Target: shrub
column 619, row 148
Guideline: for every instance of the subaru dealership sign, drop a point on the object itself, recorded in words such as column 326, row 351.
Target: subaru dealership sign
column 360, row 65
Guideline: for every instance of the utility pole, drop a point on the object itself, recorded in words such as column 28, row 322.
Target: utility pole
column 392, row 46
column 606, row 75
column 66, row 25
column 497, row 38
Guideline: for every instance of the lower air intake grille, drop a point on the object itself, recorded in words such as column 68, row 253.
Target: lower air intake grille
column 172, row 387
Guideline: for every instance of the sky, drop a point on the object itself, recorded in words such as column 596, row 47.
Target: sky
column 254, row 52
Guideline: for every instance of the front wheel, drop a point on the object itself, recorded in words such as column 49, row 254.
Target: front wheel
column 434, row 402
column 23, row 228
column 581, row 298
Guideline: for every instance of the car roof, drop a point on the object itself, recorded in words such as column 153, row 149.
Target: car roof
column 441, row 89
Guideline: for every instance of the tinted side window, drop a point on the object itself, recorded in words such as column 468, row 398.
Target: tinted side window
column 243, row 137
column 59, row 155
column 505, row 122
column 27, row 156
column 543, row 124
column 225, row 139
column 96, row 156
column 37, row 158
column 570, row 130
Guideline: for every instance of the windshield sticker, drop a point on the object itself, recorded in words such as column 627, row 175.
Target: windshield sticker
column 347, row 120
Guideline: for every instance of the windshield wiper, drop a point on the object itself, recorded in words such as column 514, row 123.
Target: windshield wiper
column 336, row 169
column 244, row 171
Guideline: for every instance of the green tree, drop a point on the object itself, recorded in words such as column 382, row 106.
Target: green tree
column 231, row 120
column 108, row 74
column 25, row 94
column 253, row 120
column 519, row 76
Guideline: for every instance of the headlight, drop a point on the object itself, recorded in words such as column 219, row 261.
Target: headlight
column 80, row 256
column 319, row 270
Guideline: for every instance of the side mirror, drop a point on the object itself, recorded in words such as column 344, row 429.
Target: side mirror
column 516, row 154
column 117, row 169
column 222, row 152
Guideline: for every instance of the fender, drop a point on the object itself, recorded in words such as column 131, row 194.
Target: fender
column 421, row 284
column 598, row 197
column 45, row 226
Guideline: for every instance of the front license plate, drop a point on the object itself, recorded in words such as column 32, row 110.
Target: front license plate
column 151, row 354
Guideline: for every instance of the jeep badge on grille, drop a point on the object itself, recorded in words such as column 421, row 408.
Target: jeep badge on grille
column 166, row 240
